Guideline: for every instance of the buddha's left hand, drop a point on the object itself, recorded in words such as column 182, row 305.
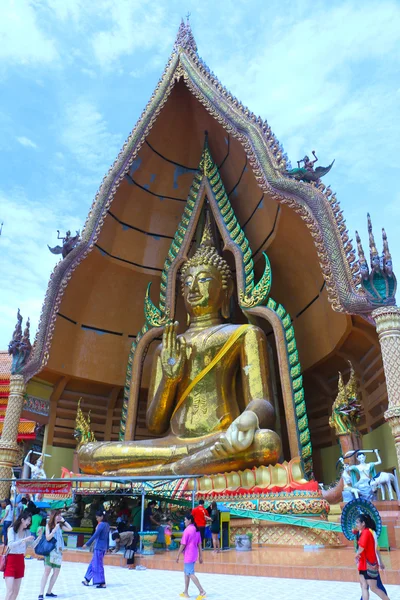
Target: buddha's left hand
column 239, row 435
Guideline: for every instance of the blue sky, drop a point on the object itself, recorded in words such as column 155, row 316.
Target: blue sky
column 75, row 76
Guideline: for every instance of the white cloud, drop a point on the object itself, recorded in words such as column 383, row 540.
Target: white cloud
column 135, row 25
column 85, row 134
column 24, row 141
column 22, row 40
column 28, row 227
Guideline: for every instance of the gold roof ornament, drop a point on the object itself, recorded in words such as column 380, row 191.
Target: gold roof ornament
column 83, row 432
column 346, row 409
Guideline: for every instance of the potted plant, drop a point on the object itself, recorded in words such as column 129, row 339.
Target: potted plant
column 243, row 541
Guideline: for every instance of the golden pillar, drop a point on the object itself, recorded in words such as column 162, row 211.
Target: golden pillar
column 10, row 453
column 387, row 321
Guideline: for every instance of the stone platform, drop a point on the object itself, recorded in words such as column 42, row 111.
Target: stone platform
column 269, row 533
column 331, row 564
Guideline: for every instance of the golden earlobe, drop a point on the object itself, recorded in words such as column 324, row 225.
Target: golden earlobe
column 226, row 305
column 187, row 319
column 225, row 309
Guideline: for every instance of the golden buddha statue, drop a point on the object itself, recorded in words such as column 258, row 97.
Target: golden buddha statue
column 209, row 392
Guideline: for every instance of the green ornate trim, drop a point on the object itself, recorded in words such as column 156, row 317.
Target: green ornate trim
column 296, row 378
column 252, row 295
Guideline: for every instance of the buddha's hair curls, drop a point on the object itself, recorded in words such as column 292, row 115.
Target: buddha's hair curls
column 208, row 255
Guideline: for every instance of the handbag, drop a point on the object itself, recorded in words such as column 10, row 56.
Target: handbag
column 3, row 560
column 129, row 554
column 372, row 570
column 44, row 546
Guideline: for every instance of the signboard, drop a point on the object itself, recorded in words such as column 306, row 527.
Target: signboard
column 44, row 487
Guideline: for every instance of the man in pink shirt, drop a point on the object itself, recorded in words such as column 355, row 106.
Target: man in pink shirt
column 191, row 548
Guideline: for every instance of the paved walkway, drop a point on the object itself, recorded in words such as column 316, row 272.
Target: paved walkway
column 166, row 585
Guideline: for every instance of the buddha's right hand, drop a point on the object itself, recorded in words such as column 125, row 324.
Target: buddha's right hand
column 173, row 353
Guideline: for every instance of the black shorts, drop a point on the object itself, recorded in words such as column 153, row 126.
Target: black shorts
column 367, row 576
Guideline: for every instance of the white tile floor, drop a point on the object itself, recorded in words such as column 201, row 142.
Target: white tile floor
column 123, row 584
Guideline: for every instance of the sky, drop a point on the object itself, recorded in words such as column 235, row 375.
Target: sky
column 75, row 76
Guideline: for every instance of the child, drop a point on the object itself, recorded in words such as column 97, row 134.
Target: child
column 168, row 534
column 191, row 546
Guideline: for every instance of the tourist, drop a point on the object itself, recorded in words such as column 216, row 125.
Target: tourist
column 96, row 506
column 54, row 528
column 201, row 518
column 168, row 534
column 367, row 558
column 95, row 570
column 191, row 547
column 136, row 515
column 18, row 538
column 7, row 518
column 129, row 539
column 149, row 521
column 372, row 528
column 20, row 506
column 215, row 526
column 36, row 522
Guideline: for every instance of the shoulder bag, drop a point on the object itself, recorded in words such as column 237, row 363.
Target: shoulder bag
column 3, row 559
column 44, row 546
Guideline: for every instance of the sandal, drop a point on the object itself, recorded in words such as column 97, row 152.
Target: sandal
column 101, row 586
column 85, row 583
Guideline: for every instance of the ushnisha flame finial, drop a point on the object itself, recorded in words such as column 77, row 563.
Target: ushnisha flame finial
column 207, row 238
column 379, row 283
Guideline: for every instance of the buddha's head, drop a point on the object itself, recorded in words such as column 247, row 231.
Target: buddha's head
column 206, row 281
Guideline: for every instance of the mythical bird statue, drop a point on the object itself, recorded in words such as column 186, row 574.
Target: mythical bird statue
column 307, row 172
column 68, row 243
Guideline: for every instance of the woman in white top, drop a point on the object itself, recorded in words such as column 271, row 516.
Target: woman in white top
column 54, row 528
column 18, row 538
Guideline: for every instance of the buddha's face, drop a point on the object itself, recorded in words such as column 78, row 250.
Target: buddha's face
column 202, row 290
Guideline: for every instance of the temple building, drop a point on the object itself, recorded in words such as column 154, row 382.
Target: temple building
column 98, row 308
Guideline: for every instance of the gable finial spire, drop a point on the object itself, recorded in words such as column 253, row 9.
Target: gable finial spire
column 185, row 38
